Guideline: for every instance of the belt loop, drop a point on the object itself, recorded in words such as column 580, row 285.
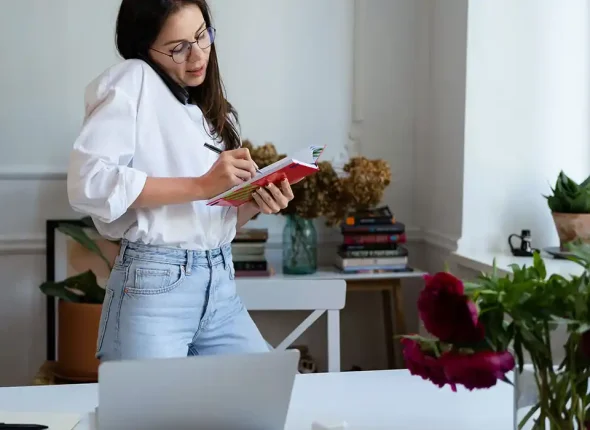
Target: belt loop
column 209, row 262
column 225, row 257
column 189, row 262
column 122, row 249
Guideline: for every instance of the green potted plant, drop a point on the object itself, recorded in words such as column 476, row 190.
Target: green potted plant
column 570, row 208
column 80, row 298
column 503, row 328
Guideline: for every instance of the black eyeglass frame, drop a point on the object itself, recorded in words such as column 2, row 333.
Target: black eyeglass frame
column 212, row 33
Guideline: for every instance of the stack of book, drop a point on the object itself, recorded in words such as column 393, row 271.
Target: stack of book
column 372, row 243
column 249, row 253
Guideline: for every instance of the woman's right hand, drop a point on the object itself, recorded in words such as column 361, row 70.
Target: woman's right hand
column 230, row 169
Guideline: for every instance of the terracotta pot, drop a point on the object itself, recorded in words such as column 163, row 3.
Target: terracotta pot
column 571, row 227
column 76, row 344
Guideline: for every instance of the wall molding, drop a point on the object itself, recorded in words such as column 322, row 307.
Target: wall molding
column 31, row 173
column 440, row 240
column 26, row 244
column 22, row 244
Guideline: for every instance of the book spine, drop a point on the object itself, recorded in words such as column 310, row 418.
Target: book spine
column 250, row 266
column 250, row 235
column 374, row 253
column 372, row 247
column 242, row 258
column 372, row 270
column 373, row 262
column 397, row 228
column 249, row 248
column 361, row 221
column 374, row 238
column 357, row 269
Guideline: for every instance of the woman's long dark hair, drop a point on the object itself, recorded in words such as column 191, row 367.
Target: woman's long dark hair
column 138, row 25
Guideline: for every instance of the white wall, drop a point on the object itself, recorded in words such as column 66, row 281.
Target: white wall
column 527, row 115
column 439, row 123
column 293, row 81
column 50, row 51
column 385, row 100
column 289, row 71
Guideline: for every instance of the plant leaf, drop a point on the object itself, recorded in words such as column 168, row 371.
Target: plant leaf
column 84, row 282
column 417, row 338
column 569, row 197
column 517, row 346
column 539, row 265
column 58, row 290
column 79, row 235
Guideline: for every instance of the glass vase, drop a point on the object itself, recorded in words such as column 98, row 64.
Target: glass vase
column 526, row 397
column 299, row 246
column 529, row 405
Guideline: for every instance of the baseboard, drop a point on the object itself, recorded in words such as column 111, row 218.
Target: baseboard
column 440, row 240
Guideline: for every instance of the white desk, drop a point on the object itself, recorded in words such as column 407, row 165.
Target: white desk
column 391, row 399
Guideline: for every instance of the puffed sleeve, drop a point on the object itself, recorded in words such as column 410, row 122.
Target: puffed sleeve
column 101, row 182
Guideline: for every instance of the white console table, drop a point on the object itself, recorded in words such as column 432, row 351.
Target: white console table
column 389, row 284
column 281, row 294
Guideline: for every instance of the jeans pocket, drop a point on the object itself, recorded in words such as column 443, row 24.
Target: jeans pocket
column 104, row 317
column 155, row 278
column 231, row 270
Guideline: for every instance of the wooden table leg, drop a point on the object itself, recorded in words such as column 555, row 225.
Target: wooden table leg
column 334, row 358
column 400, row 320
column 394, row 325
column 386, row 296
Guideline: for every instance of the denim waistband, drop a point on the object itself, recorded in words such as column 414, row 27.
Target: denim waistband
column 184, row 257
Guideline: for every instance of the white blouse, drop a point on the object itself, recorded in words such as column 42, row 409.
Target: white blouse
column 136, row 127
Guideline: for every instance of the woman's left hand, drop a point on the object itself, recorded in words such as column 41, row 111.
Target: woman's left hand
column 272, row 199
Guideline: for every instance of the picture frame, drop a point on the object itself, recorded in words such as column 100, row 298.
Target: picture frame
column 65, row 258
column 56, row 270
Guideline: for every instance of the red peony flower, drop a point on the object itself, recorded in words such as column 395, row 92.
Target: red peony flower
column 478, row 370
column 447, row 312
column 423, row 365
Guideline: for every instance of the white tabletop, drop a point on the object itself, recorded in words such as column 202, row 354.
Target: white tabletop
column 390, row 399
column 328, row 272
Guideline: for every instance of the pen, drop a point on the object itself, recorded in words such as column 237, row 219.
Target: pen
column 219, row 151
column 8, row 426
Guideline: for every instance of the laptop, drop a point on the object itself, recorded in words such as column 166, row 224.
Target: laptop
column 237, row 392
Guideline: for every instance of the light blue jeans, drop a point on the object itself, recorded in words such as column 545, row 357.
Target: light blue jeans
column 169, row 302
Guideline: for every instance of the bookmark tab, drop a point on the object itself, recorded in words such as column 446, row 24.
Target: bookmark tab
column 316, row 151
column 309, row 154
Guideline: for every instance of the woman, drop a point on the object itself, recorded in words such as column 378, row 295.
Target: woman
column 140, row 168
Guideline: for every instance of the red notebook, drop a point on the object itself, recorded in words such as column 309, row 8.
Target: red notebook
column 303, row 164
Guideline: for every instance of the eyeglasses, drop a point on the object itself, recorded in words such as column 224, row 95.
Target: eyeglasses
column 181, row 52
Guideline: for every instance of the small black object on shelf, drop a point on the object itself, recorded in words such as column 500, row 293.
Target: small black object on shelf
column 525, row 249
